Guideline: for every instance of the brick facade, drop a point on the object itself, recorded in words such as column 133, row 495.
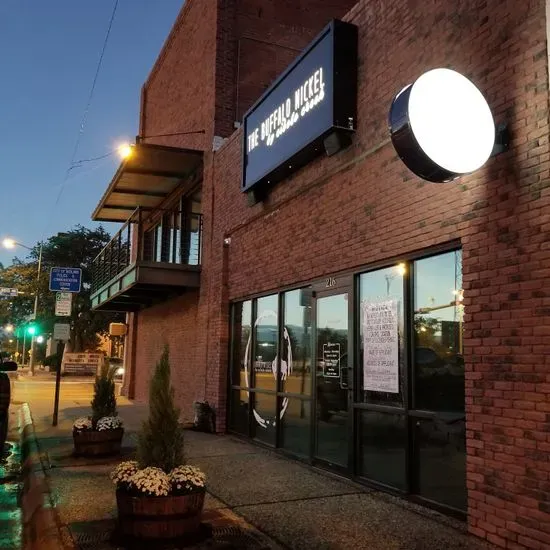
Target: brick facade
column 363, row 206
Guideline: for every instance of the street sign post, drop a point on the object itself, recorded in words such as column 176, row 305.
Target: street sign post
column 65, row 279
column 8, row 292
column 63, row 304
column 61, row 333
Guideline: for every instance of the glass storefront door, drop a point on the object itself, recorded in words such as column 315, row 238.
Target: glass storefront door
column 363, row 374
column 332, row 378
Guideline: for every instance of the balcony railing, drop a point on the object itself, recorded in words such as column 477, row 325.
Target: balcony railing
column 176, row 240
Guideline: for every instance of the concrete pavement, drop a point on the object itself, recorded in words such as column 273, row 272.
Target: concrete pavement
column 256, row 498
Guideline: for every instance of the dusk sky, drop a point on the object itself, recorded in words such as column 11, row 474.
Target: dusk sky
column 49, row 52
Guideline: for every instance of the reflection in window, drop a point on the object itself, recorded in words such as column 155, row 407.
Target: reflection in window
column 267, row 338
column 242, row 321
column 441, row 450
column 296, row 425
column 438, row 322
column 383, row 439
column 381, row 327
column 264, row 425
column 296, row 356
column 238, row 415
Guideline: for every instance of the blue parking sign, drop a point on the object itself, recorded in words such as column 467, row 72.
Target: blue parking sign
column 65, row 279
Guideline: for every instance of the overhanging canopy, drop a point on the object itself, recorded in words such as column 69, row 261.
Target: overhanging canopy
column 145, row 179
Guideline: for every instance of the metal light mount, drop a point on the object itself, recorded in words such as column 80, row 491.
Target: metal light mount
column 441, row 126
column 502, row 139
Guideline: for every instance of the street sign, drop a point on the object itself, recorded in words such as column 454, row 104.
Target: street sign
column 63, row 304
column 62, row 331
column 8, row 292
column 65, row 279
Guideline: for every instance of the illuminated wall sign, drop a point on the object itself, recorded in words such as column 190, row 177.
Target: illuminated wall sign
column 441, row 126
column 314, row 97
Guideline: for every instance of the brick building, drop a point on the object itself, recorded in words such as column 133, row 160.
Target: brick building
column 265, row 298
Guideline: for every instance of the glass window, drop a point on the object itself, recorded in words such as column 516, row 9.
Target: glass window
column 383, row 443
column 238, row 411
column 158, row 243
column 296, row 425
column 266, row 331
column 382, row 367
column 264, row 422
column 192, row 222
column 296, row 356
column 441, row 451
column 241, row 337
column 332, row 394
column 438, row 323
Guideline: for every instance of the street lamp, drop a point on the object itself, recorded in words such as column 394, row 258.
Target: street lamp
column 8, row 328
column 125, row 151
column 12, row 243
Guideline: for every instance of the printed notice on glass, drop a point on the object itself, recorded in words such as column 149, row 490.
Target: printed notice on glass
column 331, row 360
column 380, row 346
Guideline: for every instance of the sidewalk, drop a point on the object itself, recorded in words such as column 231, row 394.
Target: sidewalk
column 256, row 499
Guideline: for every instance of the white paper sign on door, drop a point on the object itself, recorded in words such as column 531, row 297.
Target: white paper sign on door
column 380, row 346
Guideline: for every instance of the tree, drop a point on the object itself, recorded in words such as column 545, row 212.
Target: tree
column 161, row 437
column 75, row 248
column 21, row 276
column 104, row 401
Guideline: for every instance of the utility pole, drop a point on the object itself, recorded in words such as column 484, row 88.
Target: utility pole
column 33, row 341
column 24, row 339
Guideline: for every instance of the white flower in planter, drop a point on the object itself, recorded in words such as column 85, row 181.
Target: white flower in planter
column 151, row 481
column 82, row 423
column 124, row 472
column 186, row 479
column 108, row 423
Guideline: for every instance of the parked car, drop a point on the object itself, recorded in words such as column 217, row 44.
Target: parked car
column 5, row 396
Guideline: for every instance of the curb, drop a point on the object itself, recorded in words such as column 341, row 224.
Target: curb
column 41, row 529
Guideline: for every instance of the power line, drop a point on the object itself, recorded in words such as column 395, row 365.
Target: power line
column 86, row 110
column 79, row 163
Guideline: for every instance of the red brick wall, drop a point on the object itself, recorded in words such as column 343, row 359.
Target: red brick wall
column 219, row 57
column 363, row 205
column 178, row 96
column 173, row 323
column 256, row 42
column 183, row 91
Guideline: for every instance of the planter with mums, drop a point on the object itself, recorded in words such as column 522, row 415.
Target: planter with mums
column 158, row 496
column 100, row 434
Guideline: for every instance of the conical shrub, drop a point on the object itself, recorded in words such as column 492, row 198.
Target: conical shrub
column 161, row 437
column 104, row 400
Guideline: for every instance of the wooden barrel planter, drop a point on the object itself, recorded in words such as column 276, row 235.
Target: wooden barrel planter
column 167, row 517
column 94, row 443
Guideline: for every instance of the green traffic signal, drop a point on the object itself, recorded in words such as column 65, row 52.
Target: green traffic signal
column 31, row 329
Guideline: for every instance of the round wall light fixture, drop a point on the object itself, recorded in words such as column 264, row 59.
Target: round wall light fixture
column 441, row 126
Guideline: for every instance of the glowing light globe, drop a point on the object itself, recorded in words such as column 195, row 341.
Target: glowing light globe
column 441, row 126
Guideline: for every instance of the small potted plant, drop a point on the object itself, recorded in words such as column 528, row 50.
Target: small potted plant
column 158, row 496
column 101, row 433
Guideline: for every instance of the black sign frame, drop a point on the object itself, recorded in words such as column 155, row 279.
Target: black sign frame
column 342, row 106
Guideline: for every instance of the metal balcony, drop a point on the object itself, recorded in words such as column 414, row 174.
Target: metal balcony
column 148, row 263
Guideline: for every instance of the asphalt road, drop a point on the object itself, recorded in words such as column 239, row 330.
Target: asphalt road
column 75, row 399
column 39, row 392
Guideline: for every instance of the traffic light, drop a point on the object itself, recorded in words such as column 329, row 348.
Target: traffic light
column 31, row 330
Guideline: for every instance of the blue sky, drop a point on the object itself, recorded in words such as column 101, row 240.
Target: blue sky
column 49, row 52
